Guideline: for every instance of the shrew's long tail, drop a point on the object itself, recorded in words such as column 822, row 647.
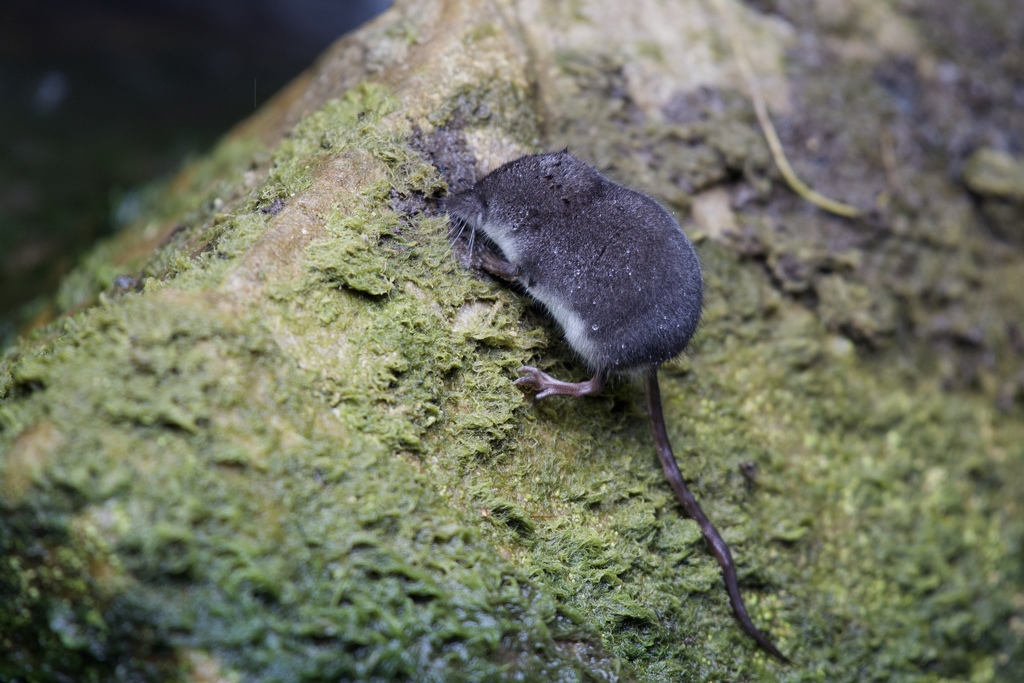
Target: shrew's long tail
column 711, row 535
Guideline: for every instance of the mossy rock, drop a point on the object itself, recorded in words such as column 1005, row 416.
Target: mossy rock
column 273, row 434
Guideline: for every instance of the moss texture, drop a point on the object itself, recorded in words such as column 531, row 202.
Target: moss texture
column 286, row 446
column 168, row 464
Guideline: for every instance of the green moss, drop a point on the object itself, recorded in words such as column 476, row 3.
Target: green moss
column 63, row 610
column 309, row 550
column 262, row 519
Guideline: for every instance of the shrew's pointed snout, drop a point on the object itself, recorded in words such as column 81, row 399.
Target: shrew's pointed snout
column 466, row 205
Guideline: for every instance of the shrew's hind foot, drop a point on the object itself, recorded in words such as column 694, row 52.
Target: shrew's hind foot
column 545, row 385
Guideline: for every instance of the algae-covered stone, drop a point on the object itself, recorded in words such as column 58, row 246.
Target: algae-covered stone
column 213, row 477
column 289, row 448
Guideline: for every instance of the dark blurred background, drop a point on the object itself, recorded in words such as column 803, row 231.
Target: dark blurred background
column 99, row 97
